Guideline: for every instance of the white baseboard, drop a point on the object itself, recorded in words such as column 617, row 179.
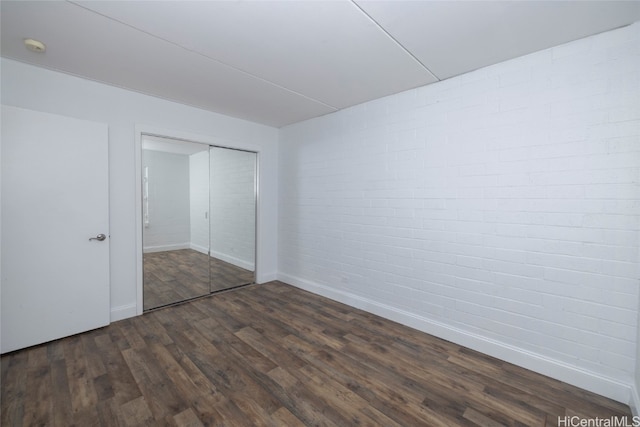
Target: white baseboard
column 188, row 245
column 268, row 277
column 591, row 381
column 232, row 260
column 163, row 248
column 123, row 312
column 198, row 248
column 634, row 401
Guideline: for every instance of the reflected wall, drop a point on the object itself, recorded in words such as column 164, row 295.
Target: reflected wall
column 199, row 216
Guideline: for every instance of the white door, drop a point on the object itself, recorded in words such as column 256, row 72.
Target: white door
column 54, row 191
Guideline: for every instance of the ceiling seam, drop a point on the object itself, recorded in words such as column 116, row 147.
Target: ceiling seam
column 407, row 51
column 208, row 57
column 141, row 92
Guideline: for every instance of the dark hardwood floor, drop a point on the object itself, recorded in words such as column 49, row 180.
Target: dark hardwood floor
column 273, row 355
column 174, row 276
column 225, row 275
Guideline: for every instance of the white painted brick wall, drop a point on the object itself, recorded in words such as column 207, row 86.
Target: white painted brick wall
column 169, row 222
column 199, row 200
column 504, row 202
column 233, row 206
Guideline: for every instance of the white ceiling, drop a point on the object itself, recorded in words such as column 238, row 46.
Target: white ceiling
column 280, row 62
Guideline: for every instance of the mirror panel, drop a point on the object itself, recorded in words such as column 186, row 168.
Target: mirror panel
column 199, row 219
column 175, row 221
column 233, row 217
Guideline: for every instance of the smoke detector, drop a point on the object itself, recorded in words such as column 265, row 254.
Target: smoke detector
column 35, row 45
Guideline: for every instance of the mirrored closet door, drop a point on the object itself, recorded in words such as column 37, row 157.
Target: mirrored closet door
column 199, row 216
column 233, row 217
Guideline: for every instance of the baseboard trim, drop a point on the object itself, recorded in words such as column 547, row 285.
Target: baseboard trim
column 268, row 277
column 198, row 248
column 232, row 260
column 123, row 312
column 634, row 401
column 164, row 248
column 587, row 380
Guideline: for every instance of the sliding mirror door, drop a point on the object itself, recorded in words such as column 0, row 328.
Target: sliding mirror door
column 175, row 219
column 199, row 219
column 233, row 217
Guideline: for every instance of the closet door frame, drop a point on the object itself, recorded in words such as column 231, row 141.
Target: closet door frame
column 142, row 130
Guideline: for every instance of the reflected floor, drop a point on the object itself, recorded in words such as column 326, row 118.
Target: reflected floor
column 174, row 276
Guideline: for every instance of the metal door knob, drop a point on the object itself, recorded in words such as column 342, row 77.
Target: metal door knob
column 99, row 237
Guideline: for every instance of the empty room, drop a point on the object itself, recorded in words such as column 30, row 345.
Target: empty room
column 320, row 213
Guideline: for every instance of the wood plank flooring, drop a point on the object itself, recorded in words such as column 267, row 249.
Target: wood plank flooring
column 174, row 276
column 273, row 355
column 225, row 275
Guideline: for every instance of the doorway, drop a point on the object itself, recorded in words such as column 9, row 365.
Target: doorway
column 198, row 219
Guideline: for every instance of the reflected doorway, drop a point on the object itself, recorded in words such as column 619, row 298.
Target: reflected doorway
column 199, row 216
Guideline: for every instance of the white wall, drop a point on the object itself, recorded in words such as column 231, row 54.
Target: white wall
column 635, row 391
column 169, row 205
column 43, row 90
column 498, row 209
column 199, row 198
column 233, row 206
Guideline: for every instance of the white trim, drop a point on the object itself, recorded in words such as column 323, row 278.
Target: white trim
column 591, row 381
column 164, row 248
column 138, row 204
column 634, row 401
column 198, row 248
column 233, row 260
column 267, row 277
column 203, row 250
column 123, row 312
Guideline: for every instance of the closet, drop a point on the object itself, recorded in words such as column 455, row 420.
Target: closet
column 198, row 218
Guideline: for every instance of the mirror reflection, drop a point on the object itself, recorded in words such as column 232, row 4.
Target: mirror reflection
column 233, row 217
column 199, row 206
